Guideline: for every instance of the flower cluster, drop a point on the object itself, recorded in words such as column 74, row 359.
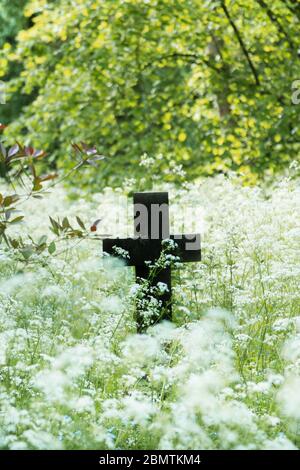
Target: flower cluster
column 225, row 374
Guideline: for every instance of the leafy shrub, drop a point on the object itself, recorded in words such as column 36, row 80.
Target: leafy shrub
column 198, row 82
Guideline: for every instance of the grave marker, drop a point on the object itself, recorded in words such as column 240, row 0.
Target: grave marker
column 151, row 227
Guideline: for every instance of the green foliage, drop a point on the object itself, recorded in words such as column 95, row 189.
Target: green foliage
column 20, row 167
column 207, row 84
column 12, row 20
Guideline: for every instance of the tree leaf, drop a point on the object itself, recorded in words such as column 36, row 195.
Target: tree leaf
column 27, row 252
column 52, row 248
column 42, row 240
column 66, row 223
column 8, row 200
column 17, row 219
column 37, row 186
column 80, row 223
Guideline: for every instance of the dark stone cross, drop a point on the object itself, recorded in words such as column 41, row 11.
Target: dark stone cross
column 151, row 228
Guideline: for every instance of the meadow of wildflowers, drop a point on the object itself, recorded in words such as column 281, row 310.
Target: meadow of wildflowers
column 224, row 375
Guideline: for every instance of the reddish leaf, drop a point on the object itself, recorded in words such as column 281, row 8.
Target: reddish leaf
column 29, row 151
column 95, row 224
column 76, row 148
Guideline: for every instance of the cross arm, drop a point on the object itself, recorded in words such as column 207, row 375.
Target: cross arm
column 188, row 247
column 139, row 250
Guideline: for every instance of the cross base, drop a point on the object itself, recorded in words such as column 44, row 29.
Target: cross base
column 164, row 276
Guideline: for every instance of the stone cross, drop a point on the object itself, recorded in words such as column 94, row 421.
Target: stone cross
column 151, row 228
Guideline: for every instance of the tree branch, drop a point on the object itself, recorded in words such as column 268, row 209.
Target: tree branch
column 241, row 43
column 295, row 10
column 273, row 18
column 194, row 58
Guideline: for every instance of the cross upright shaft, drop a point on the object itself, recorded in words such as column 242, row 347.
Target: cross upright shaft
column 151, row 227
column 151, row 216
column 151, row 222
